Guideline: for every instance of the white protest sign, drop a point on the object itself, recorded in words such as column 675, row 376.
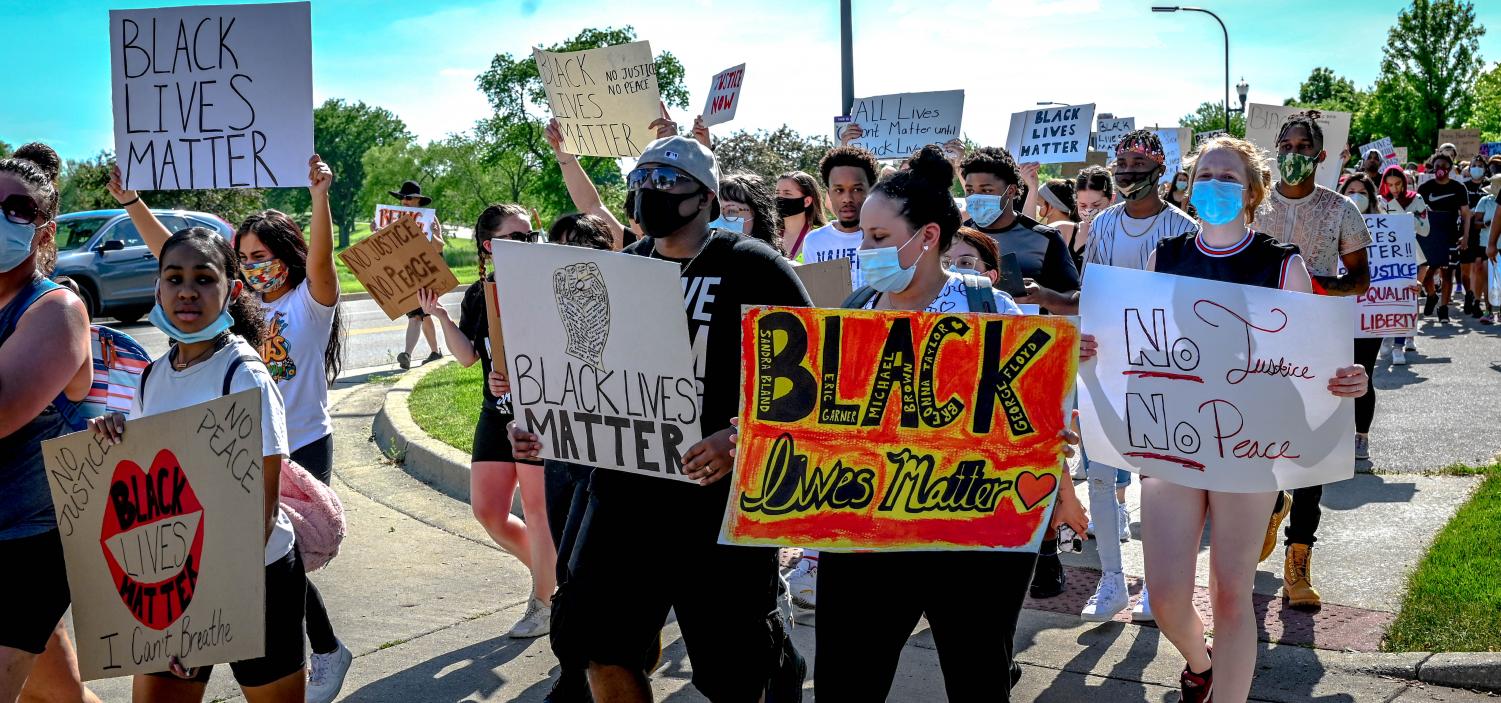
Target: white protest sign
column 386, row 214
column 1109, row 130
column 597, row 346
column 1050, row 135
column 1173, row 141
column 162, row 534
column 1263, row 122
column 1389, row 308
column 1214, row 385
column 1384, row 147
column 724, row 96
column 605, row 99
column 895, row 126
column 216, row 96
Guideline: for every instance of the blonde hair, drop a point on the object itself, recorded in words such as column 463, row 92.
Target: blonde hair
column 1253, row 160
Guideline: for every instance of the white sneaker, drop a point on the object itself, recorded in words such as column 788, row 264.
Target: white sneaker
column 1143, row 610
column 1412, row 344
column 1109, row 598
column 1123, row 521
column 1386, row 349
column 536, row 622
column 326, row 674
column 1362, row 446
column 802, row 584
column 1399, row 357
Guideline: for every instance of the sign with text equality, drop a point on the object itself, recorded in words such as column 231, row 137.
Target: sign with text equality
column 396, row 261
column 162, row 534
column 605, row 99
column 1174, row 139
column 893, row 430
column 1384, row 147
column 597, row 346
column 1214, row 385
column 895, row 126
column 1109, row 130
column 1389, row 308
column 1264, row 122
column 1051, row 135
column 425, row 216
column 1466, row 142
column 216, row 96
column 724, row 96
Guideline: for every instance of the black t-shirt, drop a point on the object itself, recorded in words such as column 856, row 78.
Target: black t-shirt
column 474, row 322
column 1444, row 202
column 1476, row 190
column 1040, row 251
column 1257, row 260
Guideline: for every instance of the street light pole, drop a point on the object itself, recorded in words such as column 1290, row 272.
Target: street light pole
column 1175, row 8
column 847, row 56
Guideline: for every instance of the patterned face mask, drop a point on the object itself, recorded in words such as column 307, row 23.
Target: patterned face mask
column 265, row 276
column 1295, row 168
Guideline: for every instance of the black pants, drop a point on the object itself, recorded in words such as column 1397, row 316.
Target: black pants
column 1365, row 406
column 318, row 458
column 868, row 605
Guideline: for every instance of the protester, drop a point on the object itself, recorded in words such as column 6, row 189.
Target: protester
column 724, row 596
column 1058, row 210
column 1371, row 165
column 582, row 191
column 494, row 472
column 1177, row 192
column 800, row 203
column 34, row 314
column 1472, row 250
column 1094, row 190
column 973, row 253
column 1228, row 183
column 747, row 206
column 1394, row 196
column 1361, row 190
column 203, row 306
column 848, row 173
column 908, row 220
column 410, row 195
column 1448, row 228
column 1487, row 208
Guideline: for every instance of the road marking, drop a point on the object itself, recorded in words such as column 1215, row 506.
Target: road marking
column 376, row 330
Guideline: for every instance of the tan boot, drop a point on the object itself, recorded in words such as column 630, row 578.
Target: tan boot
column 1270, row 542
column 1297, row 585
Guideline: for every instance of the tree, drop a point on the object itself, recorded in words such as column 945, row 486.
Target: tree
column 1210, row 117
column 770, row 154
column 83, row 186
column 5, row 149
column 1486, row 116
column 1428, row 69
column 1326, row 91
column 342, row 133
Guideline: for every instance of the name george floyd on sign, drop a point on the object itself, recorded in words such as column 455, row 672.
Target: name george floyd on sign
column 598, row 353
column 396, row 261
column 895, row 126
column 1214, row 385
column 888, row 430
column 162, row 535
column 218, row 96
column 605, row 99
column 1389, row 308
column 1050, row 135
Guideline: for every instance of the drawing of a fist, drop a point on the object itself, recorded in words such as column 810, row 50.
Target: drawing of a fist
column 584, row 306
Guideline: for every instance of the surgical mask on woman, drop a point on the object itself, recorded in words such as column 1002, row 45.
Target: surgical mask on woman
column 1218, row 202
column 882, row 267
column 1361, row 200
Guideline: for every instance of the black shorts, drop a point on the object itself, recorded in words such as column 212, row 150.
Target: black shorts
column 285, row 594
column 1437, row 248
column 611, row 610
column 317, row 458
column 491, row 441
column 39, row 600
column 1473, row 250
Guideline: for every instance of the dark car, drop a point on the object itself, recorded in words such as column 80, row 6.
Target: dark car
column 115, row 270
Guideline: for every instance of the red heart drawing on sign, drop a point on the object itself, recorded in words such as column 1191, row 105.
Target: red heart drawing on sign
column 152, row 539
column 1034, row 488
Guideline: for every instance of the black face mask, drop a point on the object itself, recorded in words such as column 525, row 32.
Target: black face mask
column 787, row 207
column 657, row 211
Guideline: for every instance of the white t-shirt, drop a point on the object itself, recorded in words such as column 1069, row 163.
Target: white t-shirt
column 1487, row 208
column 298, row 329
column 166, row 390
column 1118, row 239
column 828, row 243
column 954, row 298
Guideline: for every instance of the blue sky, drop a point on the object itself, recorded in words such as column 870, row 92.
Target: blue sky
column 419, row 59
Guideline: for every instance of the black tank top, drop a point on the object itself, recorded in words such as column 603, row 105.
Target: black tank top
column 1256, row 260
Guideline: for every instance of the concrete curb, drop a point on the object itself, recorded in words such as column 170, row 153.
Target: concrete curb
column 1472, row 670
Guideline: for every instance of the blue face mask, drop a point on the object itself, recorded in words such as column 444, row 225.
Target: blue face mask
column 1218, row 202
column 15, row 243
column 220, row 325
column 882, row 267
column 733, row 224
column 983, row 209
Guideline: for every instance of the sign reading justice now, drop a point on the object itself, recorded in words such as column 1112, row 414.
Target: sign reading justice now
column 864, row 429
column 217, row 96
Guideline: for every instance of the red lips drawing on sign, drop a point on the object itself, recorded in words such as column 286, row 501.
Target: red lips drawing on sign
column 152, row 539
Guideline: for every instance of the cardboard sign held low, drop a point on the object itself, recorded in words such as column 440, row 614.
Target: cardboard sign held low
column 827, row 282
column 396, row 261
column 163, row 538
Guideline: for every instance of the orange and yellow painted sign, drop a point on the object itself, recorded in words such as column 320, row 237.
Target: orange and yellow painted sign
column 881, row 430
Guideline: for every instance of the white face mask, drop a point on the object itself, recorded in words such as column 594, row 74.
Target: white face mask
column 1360, row 200
column 882, row 267
column 984, row 209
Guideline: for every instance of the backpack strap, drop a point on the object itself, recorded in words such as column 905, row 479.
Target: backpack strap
column 859, row 298
column 10, row 316
column 981, row 295
column 229, row 372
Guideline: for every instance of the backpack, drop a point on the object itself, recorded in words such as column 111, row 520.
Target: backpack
column 976, row 288
column 119, row 362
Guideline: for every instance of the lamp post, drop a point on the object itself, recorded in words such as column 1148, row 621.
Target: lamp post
column 1241, row 89
column 1175, row 8
column 1045, row 103
column 846, row 58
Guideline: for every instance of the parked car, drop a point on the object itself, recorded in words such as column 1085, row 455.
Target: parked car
column 103, row 252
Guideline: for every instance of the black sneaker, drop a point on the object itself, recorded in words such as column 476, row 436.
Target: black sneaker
column 1047, row 580
column 404, row 360
column 1443, row 313
column 1429, row 303
column 571, row 687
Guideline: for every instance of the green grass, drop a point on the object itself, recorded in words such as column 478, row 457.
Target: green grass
column 459, row 253
column 1453, row 599
column 445, row 404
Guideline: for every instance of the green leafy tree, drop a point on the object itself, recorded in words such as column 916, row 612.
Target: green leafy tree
column 1210, row 116
column 84, row 186
column 769, row 154
column 1324, row 90
column 1487, row 112
column 5, row 149
column 342, row 133
column 1428, row 70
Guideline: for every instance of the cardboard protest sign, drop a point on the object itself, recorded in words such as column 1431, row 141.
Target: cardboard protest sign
column 597, row 346
column 828, row 282
column 1389, row 308
column 1201, row 137
column 605, row 99
column 1050, row 135
column 1263, row 122
column 841, row 123
column 1215, row 385
column 895, row 126
column 1402, row 154
column 724, row 96
column 425, row 216
column 1382, row 146
column 396, row 261
column 1174, row 139
column 1109, row 130
column 215, row 96
column 889, row 430
column 1466, row 142
column 162, row 534
column 496, row 339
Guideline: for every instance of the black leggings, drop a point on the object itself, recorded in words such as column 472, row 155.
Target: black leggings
column 318, row 458
column 1365, row 406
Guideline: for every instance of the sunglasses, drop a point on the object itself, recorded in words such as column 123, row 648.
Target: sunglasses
column 21, row 209
column 658, row 177
column 532, row 236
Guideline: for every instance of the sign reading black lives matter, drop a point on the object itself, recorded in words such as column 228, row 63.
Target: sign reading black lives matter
column 162, row 534
column 217, row 96
column 597, row 347
column 1051, row 135
column 605, row 99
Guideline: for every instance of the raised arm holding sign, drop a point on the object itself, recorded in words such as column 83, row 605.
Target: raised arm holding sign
column 724, row 96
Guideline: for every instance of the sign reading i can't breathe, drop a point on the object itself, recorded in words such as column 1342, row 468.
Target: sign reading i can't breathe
column 1051, row 135
column 217, row 96
column 605, row 99
column 162, row 534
